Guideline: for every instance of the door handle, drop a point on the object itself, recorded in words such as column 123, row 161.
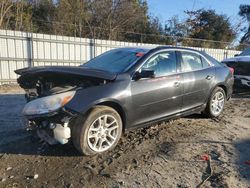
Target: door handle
column 176, row 84
column 209, row 77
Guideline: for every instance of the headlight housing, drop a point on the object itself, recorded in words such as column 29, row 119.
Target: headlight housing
column 48, row 104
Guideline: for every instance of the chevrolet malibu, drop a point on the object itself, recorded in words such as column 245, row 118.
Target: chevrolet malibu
column 125, row 88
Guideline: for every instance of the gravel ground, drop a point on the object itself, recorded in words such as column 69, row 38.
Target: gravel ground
column 168, row 154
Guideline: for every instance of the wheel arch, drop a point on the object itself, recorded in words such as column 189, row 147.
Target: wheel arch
column 223, row 87
column 118, row 108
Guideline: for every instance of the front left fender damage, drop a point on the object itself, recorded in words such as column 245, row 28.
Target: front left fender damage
column 55, row 126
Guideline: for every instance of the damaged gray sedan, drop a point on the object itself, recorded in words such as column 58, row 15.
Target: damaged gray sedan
column 122, row 89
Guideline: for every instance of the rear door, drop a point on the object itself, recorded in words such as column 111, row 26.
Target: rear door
column 153, row 98
column 198, row 77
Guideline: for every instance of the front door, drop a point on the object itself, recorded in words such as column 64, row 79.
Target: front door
column 154, row 98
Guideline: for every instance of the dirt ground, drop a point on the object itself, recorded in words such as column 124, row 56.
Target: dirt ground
column 170, row 154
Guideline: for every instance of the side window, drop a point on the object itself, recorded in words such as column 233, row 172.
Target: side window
column 163, row 63
column 205, row 63
column 190, row 61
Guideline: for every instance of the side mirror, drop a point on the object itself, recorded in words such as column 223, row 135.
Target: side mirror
column 144, row 74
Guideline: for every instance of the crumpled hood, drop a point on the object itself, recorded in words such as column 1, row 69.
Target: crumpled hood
column 238, row 59
column 60, row 75
column 79, row 71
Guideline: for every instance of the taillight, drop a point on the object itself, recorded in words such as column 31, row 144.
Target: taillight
column 231, row 70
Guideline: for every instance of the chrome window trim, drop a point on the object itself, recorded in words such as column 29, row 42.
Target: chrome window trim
column 176, row 50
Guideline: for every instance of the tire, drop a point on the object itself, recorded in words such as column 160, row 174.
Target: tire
column 211, row 106
column 91, row 135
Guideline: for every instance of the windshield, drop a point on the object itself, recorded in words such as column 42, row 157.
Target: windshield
column 115, row 60
column 245, row 52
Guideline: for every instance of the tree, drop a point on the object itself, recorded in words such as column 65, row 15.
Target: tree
column 23, row 14
column 43, row 13
column 174, row 27
column 105, row 19
column 70, row 18
column 154, row 32
column 5, row 12
column 110, row 18
column 15, row 15
column 176, row 30
column 207, row 25
column 245, row 13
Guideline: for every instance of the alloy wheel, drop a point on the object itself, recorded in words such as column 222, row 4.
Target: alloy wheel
column 103, row 133
column 217, row 103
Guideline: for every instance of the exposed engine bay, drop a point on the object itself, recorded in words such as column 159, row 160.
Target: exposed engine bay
column 56, row 83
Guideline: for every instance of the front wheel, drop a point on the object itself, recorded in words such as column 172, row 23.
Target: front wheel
column 216, row 102
column 98, row 132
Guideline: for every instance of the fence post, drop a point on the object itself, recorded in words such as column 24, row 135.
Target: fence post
column 92, row 48
column 30, row 51
column 225, row 54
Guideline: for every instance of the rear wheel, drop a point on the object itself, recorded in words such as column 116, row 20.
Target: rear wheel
column 216, row 102
column 98, row 132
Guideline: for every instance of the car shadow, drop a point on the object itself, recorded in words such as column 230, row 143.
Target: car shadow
column 31, row 146
column 241, row 94
column 196, row 116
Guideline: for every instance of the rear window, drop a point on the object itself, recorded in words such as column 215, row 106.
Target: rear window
column 190, row 61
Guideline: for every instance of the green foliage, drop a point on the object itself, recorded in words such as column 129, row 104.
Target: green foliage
column 206, row 24
column 43, row 12
column 201, row 28
column 125, row 20
column 175, row 27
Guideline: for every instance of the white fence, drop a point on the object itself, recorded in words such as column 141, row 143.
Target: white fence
column 21, row 49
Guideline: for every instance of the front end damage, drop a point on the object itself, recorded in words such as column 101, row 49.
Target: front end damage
column 52, row 129
column 48, row 90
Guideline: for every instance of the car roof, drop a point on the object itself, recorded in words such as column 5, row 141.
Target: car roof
column 177, row 48
column 148, row 48
column 135, row 49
